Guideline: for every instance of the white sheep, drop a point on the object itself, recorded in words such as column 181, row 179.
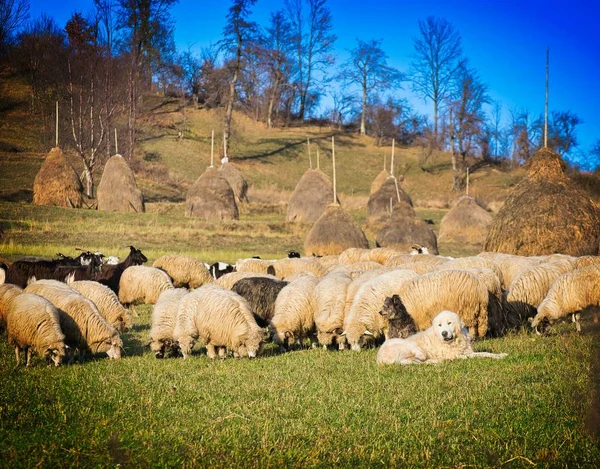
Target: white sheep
column 357, row 267
column 259, row 266
column 569, row 294
column 164, row 317
column 510, row 265
column 530, row 287
column 454, row 290
column 285, row 268
column 33, row 325
column 362, row 322
column 227, row 281
column 330, row 305
column 353, row 255
column 143, row 284
column 221, row 319
column 465, row 263
column 7, row 292
column 81, row 322
column 185, row 271
column 294, row 313
column 421, row 258
column 418, row 267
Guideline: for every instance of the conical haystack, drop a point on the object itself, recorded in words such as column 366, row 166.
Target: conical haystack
column 118, row 191
column 334, row 232
column 379, row 180
column 465, row 223
column 211, row 198
column 379, row 202
column 236, row 180
column 545, row 214
column 402, row 231
column 312, row 194
column 57, row 183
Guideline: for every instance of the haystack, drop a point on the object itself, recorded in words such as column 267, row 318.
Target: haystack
column 379, row 180
column 118, row 191
column 401, row 232
column 57, row 183
column 211, row 198
column 545, row 214
column 312, row 194
column 236, row 180
column 334, row 232
column 466, row 223
column 379, row 202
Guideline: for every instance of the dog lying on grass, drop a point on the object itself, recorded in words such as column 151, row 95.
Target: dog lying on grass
column 446, row 339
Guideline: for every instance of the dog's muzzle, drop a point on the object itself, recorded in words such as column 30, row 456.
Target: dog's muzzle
column 447, row 336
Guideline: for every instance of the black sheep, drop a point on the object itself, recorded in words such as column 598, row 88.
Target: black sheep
column 261, row 293
column 402, row 325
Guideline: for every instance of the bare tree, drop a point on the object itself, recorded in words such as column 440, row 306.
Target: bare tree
column 367, row 68
column 13, row 15
column 562, row 128
column 313, row 41
column 436, row 62
column 238, row 32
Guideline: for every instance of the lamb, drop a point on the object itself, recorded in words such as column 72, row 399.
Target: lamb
column 227, row 281
column 7, row 292
column 33, row 325
column 330, row 306
column 261, row 293
column 81, row 322
column 531, row 286
column 569, row 294
column 401, row 324
column 293, row 319
column 164, row 317
column 454, row 290
column 221, row 319
column 142, row 284
column 106, row 301
column 110, row 275
column 284, row 268
column 363, row 323
column 185, row 271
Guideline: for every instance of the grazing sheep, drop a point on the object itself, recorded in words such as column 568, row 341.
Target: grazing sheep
column 363, row 323
column 382, row 255
column 143, row 284
column 284, row 268
column 221, row 319
column 357, row 267
column 511, row 265
column 330, row 306
column 584, row 261
column 530, row 287
column 259, row 266
column 185, row 271
column 329, row 262
column 353, row 255
column 164, row 317
column 81, row 322
column 446, row 339
column 401, row 325
column 261, row 293
column 106, row 301
column 418, row 267
column 454, row 290
column 227, row 281
column 110, row 275
column 465, row 263
column 569, row 294
column 33, row 325
column 7, row 292
column 294, row 316
column 421, row 258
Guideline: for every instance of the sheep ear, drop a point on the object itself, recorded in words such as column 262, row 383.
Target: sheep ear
column 289, row 334
column 343, row 333
column 339, row 331
column 367, row 332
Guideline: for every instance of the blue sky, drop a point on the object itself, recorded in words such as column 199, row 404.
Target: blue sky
column 505, row 40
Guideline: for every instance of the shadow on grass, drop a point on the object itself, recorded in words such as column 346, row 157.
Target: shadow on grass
column 133, row 346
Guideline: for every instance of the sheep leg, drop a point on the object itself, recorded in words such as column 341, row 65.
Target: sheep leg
column 576, row 317
column 210, row 351
column 222, row 352
column 28, row 354
column 18, row 355
column 134, row 312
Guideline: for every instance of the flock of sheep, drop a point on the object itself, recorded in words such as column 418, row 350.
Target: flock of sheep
column 356, row 299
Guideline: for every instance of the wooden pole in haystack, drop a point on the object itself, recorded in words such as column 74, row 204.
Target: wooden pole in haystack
column 333, row 159
column 546, row 108
column 384, row 160
column 212, row 149
column 116, row 143
column 467, row 181
column 56, row 123
column 309, row 157
column 392, row 163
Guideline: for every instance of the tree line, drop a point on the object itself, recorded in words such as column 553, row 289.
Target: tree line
column 100, row 67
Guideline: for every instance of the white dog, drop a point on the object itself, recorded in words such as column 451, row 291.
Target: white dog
column 446, row 339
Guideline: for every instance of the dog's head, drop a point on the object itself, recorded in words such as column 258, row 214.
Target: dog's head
column 448, row 326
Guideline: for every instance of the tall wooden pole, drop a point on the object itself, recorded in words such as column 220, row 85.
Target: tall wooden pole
column 212, row 148
column 392, row 163
column 546, row 108
column 309, row 157
column 467, row 181
column 116, row 143
column 57, row 123
column 333, row 159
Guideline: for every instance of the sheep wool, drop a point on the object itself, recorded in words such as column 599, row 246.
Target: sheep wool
column 221, row 319
column 7, row 292
column 33, row 325
column 164, row 317
column 285, row 268
column 227, row 281
column 143, row 284
column 330, row 305
column 106, row 301
column 185, row 271
column 363, row 322
column 81, row 322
